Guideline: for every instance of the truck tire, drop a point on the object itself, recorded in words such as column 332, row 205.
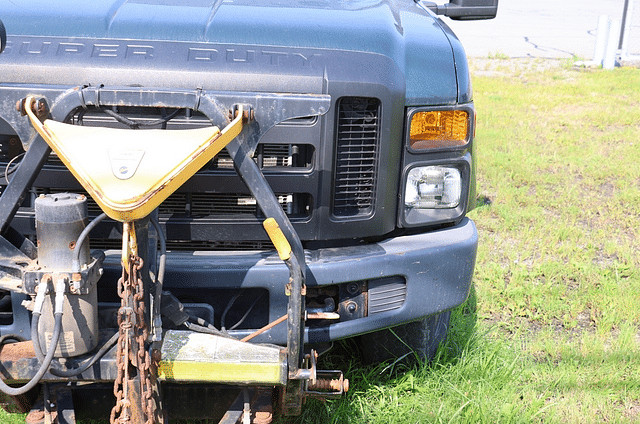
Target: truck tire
column 418, row 340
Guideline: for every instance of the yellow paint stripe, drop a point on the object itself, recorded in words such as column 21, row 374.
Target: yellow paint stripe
column 255, row 373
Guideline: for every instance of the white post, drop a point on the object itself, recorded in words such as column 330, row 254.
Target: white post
column 611, row 49
column 602, row 34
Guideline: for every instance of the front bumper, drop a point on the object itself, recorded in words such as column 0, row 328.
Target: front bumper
column 436, row 268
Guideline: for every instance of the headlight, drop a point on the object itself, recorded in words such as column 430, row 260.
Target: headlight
column 434, row 194
column 433, row 187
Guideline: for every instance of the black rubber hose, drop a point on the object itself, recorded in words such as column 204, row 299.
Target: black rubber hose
column 206, row 330
column 14, row 337
column 202, row 322
column 75, row 264
column 162, row 265
column 89, row 362
column 44, row 366
column 237, row 324
column 3, row 37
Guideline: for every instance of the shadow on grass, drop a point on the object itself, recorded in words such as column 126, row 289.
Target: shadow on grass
column 346, row 356
column 462, row 328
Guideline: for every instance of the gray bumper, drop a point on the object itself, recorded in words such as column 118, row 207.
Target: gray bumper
column 437, row 267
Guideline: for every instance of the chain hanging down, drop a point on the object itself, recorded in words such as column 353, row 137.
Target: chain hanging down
column 136, row 374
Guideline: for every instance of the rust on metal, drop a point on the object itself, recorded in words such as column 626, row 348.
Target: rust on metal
column 15, row 351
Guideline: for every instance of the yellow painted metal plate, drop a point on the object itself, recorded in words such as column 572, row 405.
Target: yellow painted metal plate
column 188, row 356
column 130, row 172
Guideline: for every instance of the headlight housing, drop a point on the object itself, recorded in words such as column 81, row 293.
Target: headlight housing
column 438, row 177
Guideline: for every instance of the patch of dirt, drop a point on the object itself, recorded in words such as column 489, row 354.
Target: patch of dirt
column 507, row 67
column 632, row 411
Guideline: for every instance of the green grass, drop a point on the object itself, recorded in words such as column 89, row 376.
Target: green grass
column 551, row 332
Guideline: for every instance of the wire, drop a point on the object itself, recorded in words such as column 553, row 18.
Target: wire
column 206, row 330
column 14, row 337
column 231, row 302
column 89, row 362
column 201, row 321
column 157, row 297
column 75, row 263
column 224, row 313
column 247, row 313
column 8, row 171
column 137, row 124
column 44, row 366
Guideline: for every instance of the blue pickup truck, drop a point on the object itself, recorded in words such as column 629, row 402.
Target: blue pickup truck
column 200, row 196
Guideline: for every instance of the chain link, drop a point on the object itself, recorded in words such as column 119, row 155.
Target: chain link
column 133, row 334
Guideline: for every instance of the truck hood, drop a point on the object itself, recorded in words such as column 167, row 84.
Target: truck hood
column 412, row 38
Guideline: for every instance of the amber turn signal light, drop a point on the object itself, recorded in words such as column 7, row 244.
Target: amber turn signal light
column 439, row 129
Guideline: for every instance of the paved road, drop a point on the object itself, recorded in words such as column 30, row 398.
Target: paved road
column 538, row 28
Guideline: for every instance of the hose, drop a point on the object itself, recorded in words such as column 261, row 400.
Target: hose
column 75, row 264
column 57, row 328
column 134, row 125
column 246, row 314
column 206, row 330
column 224, row 313
column 157, row 298
column 89, row 362
column 14, row 337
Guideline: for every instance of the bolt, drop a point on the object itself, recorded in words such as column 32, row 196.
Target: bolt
column 41, row 109
column 353, row 288
column 352, row 307
column 248, row 115
column 336, row 385
column 20, row 107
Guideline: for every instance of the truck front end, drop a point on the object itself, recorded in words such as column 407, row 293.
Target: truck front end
column 203, row 195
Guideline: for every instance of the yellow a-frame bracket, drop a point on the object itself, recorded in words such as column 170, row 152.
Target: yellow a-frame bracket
column 130, row 172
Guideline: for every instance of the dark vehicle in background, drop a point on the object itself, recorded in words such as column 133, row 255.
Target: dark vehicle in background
column 201, row 196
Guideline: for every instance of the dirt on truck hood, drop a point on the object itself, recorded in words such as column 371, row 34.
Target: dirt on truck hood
column 227, row 36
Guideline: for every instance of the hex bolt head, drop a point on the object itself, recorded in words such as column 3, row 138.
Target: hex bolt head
column 353, row 288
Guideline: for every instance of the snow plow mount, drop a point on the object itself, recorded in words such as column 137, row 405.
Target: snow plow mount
column 133, row 180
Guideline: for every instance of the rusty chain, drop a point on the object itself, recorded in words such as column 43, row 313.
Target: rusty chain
column 133, row 334
column 147, row 371
column 121, row 412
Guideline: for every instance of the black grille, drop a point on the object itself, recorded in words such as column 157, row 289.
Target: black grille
column 212, row 205
column 185, row 245
column 356, row 156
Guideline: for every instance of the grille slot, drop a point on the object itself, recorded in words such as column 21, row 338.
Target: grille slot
column 357, row 150
column 202, row 205
column 189, row 245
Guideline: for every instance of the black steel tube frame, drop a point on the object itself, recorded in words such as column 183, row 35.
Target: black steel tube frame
column 23, row 178
column 267, row 109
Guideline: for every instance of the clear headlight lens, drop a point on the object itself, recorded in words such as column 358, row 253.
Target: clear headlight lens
column 433, row 187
